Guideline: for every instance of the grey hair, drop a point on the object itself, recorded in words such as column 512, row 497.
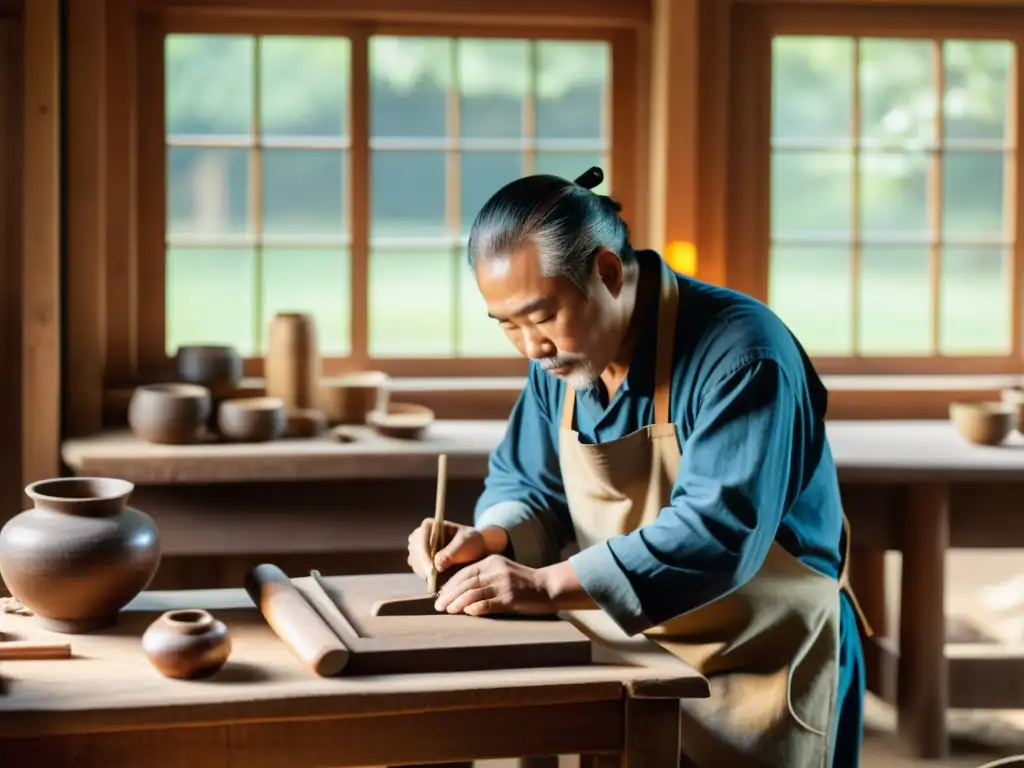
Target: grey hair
column 567, row 222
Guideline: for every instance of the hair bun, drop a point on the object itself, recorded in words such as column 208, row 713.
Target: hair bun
column 590, row 178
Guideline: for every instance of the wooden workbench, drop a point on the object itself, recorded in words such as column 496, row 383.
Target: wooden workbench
column 913, row 486
column 109, row 708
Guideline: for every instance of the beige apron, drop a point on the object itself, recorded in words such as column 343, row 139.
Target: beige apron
column 769, row 649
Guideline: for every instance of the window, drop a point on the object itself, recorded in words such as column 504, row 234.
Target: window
column 262, row 195
column 876, row 179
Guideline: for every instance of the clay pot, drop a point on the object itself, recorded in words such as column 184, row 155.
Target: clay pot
column 348, row 399
column 81, row 554
column 406, row 421
column 252, row 419
column 187, row 644
column 171, row 414
column 216, row 367
column 304, row 422
column 983, row 423
column 1014, row 397
column 291, row 368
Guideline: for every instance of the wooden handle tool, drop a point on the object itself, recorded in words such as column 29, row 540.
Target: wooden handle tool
column 295, row 621
column 23, row 650
column 437, row 530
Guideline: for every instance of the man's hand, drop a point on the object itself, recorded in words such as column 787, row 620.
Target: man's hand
column 495, row 585
column 460, row 544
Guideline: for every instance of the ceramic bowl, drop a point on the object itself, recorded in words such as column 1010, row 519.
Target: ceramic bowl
column 406, row 421
column 984, row 423
column 252, row 419
column 171, row 414
column 348, row 399
column 215, row 366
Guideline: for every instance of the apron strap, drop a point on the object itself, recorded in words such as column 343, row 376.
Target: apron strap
column 568, row 407
column 844, row 582
column 668, row 313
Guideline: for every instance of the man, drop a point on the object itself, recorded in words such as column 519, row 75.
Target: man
column 673, row 432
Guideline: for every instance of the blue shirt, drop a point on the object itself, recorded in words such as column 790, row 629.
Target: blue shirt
column 749, row 410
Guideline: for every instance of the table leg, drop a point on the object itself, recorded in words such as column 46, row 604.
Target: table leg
column 867, row 579
column 652, row 734
column 923, row 686
column 539, row 762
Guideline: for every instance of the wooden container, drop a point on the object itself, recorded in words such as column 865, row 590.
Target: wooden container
column 984, row 423
column 252, row 419
column 291, row 369
column 405, row 421
column 348, row 399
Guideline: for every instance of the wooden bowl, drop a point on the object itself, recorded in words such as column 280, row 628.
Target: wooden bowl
column 217, row 367
column 405, row 421
column 348, row 399
column 304, row 422
column 984, row 423
column 252, row 419
column 169, row 414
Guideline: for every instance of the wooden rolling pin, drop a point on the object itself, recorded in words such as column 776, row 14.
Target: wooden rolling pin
column 295, row 621
column 24, row 650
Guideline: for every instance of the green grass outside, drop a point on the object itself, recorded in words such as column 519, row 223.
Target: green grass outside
column 413, row 301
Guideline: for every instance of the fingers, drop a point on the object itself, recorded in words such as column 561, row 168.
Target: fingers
column 419, row 548
column 458, row 550
column 470, row 600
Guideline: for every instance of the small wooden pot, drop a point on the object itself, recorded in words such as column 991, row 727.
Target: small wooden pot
column 983, row 423
column 405, row 421
column 252, row 419
column 169, row 414
column 188, row 644
column 292, row 363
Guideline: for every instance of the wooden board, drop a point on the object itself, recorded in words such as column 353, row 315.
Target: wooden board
column 440, row 643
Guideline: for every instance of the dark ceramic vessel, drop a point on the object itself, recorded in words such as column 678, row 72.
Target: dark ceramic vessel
column 81, row 554
column 172, row 414
column 188, row 644
column 252, row 419
column 216, row 367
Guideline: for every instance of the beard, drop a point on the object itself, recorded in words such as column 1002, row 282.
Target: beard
column 581, row 374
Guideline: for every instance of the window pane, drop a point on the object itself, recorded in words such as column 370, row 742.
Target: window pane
column 313, row 280
column 812, row 88
column 809, row 288
column 972, row 195
column 975, row 302
column 897, row 90
column 304, row 83
column 210, row 294
column 895, row 301
column 302, row 192
column 207, row 191
column 569, row 165
column 209, row 88
column 409, row 82
column 494, row 77
column 573, row 82
column 483, row 174
column 894, row 196
column 976, row 99
column 408, row 197
column 412, row 296
column 479, row 334
column 811, row 195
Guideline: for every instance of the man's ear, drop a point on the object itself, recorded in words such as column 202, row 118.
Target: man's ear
column 609, row 270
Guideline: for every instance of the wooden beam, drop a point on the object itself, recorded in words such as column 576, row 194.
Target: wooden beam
column 86, row 283
column 673, row 140
column 41, row 314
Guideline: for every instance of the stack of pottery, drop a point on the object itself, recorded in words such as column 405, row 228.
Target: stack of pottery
column 218, row 367
column 81, row 554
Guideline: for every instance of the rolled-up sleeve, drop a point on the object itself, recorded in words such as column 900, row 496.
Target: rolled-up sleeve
column 740, row 470
column 523, row 492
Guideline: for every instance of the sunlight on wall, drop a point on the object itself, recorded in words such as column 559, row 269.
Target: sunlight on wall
column 682, row 257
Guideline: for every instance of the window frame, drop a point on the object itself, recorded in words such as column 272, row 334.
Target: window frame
column 747, row 254
column 627, row 150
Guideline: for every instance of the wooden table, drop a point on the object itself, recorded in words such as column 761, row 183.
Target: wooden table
column 913, row 486
column 920, row 488
column 109, row 708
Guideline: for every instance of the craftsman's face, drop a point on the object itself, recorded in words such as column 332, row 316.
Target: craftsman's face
column 573, row 334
